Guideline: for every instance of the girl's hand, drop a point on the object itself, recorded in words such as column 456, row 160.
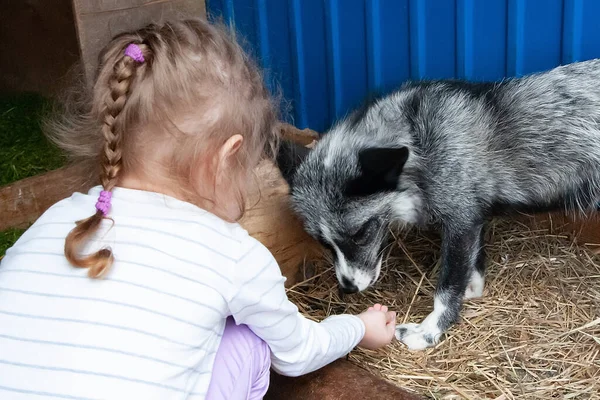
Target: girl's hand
column 380, row 325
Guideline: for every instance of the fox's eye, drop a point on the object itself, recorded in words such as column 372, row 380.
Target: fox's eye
column 366, row 232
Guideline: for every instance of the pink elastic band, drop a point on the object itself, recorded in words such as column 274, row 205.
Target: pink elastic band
column 134, row 51
column 103, row 204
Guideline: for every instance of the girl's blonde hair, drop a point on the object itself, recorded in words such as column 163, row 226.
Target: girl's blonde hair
column 192, row 70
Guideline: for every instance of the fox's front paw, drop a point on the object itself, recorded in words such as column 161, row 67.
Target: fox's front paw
column 416, row 336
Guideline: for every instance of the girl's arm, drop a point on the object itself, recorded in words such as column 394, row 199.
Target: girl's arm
column 298, row 345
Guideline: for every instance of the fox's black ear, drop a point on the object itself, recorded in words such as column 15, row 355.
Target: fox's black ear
column 380, row 170
column 289, row 156
column 383, row 161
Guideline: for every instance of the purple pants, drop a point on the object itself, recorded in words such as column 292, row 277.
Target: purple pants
column 242, row 363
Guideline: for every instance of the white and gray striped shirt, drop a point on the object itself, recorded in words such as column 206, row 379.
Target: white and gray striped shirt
column 151, row 328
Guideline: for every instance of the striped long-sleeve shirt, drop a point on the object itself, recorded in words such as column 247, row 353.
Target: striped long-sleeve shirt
column 150, row 329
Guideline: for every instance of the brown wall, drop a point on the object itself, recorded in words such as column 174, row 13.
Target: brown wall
column 38, row 44
column 39, row 38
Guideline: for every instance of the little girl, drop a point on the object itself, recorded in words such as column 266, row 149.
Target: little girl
column 189, row 305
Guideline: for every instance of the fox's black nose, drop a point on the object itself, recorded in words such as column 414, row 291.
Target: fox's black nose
column 347, row 286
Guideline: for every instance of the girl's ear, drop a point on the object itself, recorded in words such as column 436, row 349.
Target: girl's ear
column 230, row 148
column 225, row 156
column 227, row 180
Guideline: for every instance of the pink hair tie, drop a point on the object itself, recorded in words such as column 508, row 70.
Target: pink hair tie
column 134, row 51
column 103, row 204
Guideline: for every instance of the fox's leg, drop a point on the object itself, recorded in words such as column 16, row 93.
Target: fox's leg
column 462, row 260
column 476, row 283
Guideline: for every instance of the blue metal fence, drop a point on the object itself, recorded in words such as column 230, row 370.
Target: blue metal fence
column 327, row 55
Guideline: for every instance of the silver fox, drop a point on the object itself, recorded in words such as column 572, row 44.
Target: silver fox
column 449, row 155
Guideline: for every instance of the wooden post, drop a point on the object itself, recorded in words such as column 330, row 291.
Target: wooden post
column 97, row 21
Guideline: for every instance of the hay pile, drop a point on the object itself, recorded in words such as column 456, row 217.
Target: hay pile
column 534, row 335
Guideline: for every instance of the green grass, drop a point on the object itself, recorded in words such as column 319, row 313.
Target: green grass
column 24, row 151
column 8, row 238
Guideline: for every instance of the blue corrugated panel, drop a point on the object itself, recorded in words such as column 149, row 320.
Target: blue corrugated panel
column 432, row 39
column 220, row 9
column 388, row 44
column 311, row 92
column 534, row 35
column 274, row 50
column 347, row 56
column 581, row 36
column 481, row 39
column 326, row 55
column 241, row 14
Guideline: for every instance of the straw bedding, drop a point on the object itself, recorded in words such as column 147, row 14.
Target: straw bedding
column 534, row 335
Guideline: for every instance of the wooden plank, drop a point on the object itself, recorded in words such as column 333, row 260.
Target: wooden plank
column 337, row 381
column 22, row 202
column 584, row 231
column 97, row 21
column 304, row 137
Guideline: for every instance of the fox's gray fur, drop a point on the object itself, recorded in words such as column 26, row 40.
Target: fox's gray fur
column 448, row 154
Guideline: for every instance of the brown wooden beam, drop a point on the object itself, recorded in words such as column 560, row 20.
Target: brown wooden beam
column 585, row 230
column 22, row 202
column 340, row 380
